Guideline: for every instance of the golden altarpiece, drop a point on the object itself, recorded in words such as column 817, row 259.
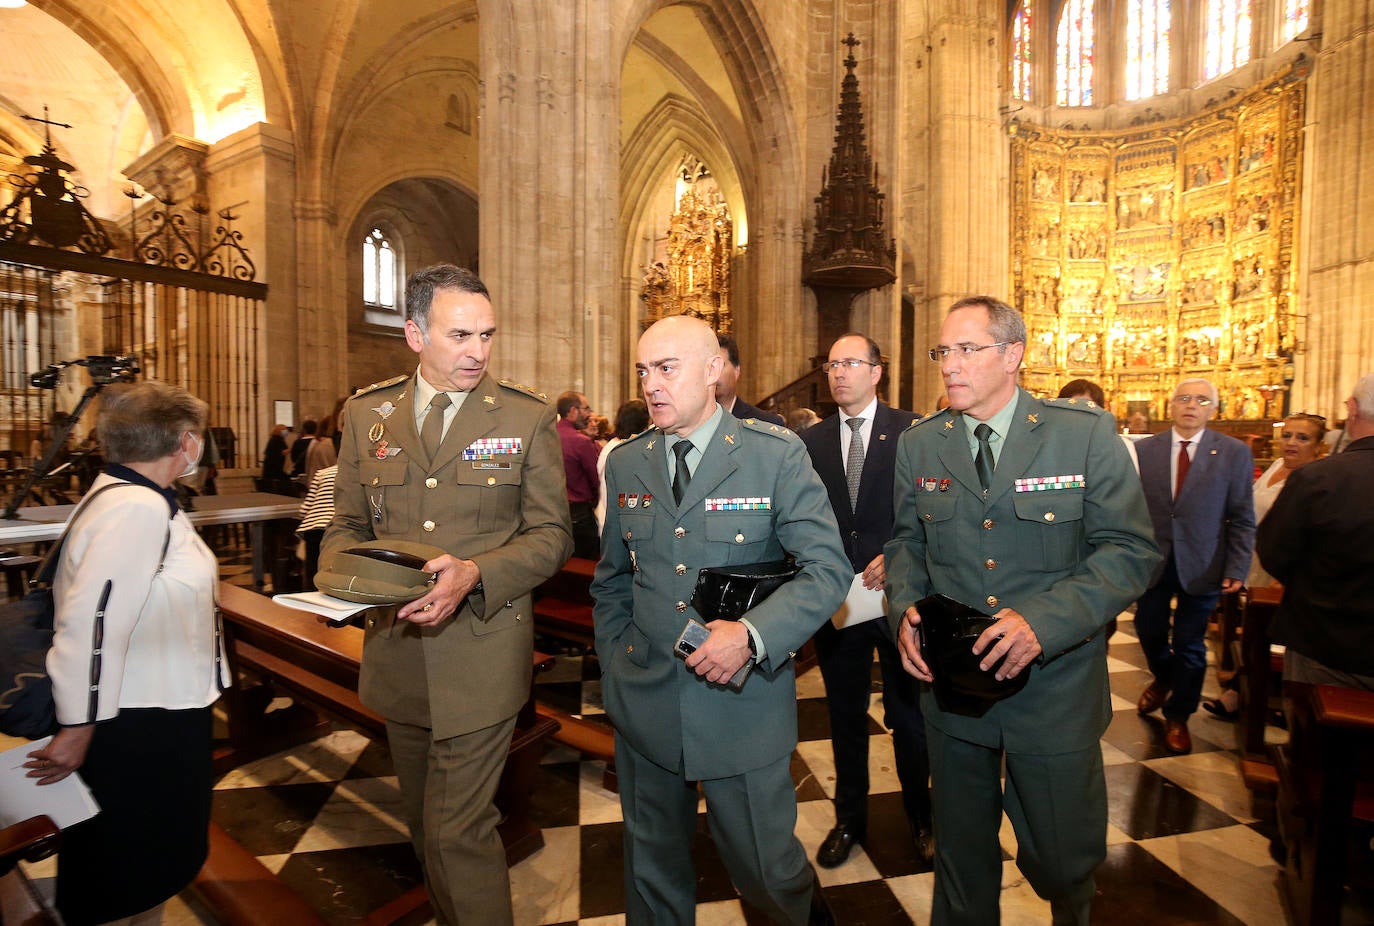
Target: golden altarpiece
column 1164, row 251
column 690, row 274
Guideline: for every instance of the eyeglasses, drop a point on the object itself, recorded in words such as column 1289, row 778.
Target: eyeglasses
column 965, row 350
column 1202, row 401
column 831, row 366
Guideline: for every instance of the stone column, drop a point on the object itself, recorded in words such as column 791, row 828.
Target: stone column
column 550, row 145
column 1337, row 291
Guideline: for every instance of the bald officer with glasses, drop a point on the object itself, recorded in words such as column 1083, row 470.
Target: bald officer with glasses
column 1030, row 511
column 1200, row 488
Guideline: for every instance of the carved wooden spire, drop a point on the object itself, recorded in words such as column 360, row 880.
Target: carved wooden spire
column 850, row 248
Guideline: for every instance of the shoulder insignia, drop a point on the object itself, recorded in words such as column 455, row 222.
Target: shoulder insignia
column 1081, row 405
column 759, row 426
column 647, row 432
column 383, row 384
column 942, row 415
column 523, row 389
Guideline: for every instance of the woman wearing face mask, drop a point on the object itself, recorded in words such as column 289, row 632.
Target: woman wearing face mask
column 1300, row 442
column 136, row 662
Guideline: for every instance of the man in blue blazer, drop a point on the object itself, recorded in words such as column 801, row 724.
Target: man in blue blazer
column 1199, row 488
column 853, row 453
column 700, row 489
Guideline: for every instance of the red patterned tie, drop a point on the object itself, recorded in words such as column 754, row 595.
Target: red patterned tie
column 1183, row 463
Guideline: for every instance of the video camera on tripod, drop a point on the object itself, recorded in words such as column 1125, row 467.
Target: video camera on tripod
column 104, row 369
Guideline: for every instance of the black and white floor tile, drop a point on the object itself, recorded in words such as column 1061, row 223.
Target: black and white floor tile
column 1182, row 846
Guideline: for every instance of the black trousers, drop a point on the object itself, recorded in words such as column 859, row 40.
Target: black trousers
column 586, row 538
column 846, row 661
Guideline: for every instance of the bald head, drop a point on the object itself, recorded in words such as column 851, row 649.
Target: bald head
column 678, row 363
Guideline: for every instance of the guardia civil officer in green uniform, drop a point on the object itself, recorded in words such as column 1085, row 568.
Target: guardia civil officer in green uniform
column 703, row 488
column 452, row 458
column 1031, row 511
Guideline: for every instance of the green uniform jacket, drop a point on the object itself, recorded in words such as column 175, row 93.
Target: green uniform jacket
column 500, row 503
column 1068, row 558
column 651, row 551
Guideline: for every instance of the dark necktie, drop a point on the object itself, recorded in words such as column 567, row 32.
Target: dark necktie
column 854, row 463
column 682, row 477
column 983, row 461
column 432, row 434
column 1184, row 461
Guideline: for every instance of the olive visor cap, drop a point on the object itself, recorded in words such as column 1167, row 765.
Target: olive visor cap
column 379, row 572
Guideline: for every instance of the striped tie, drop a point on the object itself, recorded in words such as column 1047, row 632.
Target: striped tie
column 854, row 464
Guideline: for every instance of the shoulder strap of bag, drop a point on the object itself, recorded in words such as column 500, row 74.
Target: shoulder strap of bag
column 47, row 570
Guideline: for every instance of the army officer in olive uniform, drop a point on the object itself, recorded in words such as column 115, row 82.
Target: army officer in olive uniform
column 452, row 458
column 703, row 488
column 1031, row 511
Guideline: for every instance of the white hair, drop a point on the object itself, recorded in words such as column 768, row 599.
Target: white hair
column 1197, row 379
column 1364, row 396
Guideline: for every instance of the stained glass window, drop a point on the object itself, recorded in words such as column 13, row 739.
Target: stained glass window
column 1295, row 14
column 1022, row 53
column 1228, row 36
column 1074, row 54
column 1147, row 48
column 379, row 270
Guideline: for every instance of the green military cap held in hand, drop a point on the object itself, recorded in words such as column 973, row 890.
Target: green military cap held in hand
column 379, row 572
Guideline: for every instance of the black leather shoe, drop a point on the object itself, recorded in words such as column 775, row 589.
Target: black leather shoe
column 924, row 841
column 835, row 850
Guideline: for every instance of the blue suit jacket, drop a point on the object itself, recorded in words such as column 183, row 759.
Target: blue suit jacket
column 1210, row 527
column 865, row 529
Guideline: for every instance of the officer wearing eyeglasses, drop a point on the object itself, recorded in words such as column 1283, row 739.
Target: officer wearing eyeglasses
column 1027, row 509
column 1200, row 488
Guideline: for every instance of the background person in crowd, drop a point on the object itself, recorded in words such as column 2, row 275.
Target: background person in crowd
column 1052, row 567
column 1318, row 540
column 301, row 446
column 853, row 452
column 317, row 511
column 702, row 489
column 1082, row 389
column 135, row 665
column 1199, row 486
column 799, row 419
column 320, row 453
column 729, row 377
column 579, row 468
column 450, row 457
column 1300, row 442
column 599, row 430
column 274, row 461
column 631, row 418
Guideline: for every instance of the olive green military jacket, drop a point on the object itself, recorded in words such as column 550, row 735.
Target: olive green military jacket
column 753, row 498
column 1063, row 537
column 494, row 494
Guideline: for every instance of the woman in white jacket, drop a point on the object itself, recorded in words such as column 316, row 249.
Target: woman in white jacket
column 137, row 660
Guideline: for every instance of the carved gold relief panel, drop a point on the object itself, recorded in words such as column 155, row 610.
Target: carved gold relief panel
column 1162, row 251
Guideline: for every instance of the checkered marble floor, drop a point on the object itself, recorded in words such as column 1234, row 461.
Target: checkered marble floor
column 1182, row 846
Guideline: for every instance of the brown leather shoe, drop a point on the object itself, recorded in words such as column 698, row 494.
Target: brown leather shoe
column 1151, row 698
column 1177, row 738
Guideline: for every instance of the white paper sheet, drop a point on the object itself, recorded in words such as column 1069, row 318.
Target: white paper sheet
column 335, row 610
column 860, row 605
column 67, row 801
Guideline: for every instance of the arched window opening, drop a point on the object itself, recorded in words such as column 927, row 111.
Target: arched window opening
column 1295, row 17
column 1022, row 52
column 1228, row 36
column 1147, row 48
column 1074, row 41
column 379, row 270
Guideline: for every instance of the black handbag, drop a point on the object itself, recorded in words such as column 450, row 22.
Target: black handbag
column 27, row 708
column 948, row 630
column 729, row 592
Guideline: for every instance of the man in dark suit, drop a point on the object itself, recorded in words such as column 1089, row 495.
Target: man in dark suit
column 729, row 377
column 1200, row 488
column 451, row 457
column 1318, row 540
column 701, row 489
column 1028, row 509
column 853, row 453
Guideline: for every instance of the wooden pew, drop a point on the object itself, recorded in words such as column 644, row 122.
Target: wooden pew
column 243, row 892
column 1258, row 673
column 318, row 665
column 29, row 840
column 563, row 604
column 1326, row 789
